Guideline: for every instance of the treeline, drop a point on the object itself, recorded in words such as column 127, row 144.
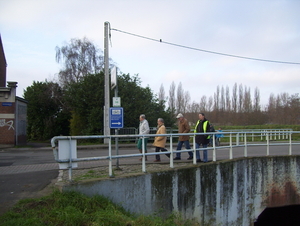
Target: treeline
column 73, row 105
column 235, row 107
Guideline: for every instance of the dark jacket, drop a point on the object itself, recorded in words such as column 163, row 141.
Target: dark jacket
column 202, row 127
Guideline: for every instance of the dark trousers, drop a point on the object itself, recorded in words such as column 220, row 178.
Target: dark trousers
column 187, row 146
column 158, row 149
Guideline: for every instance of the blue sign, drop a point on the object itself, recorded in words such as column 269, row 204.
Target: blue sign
column 116, row 118
column 7, row 104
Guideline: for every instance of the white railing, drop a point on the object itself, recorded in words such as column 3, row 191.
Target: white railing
column 65, row 147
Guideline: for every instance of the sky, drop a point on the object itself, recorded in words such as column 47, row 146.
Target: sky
column 262, row 29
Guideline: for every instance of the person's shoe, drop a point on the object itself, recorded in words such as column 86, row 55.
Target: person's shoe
column 156, row 160
column 199, row 160
column 190, row 158
column 177, row 158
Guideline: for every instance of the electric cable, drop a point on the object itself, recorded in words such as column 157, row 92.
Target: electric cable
column 206, row 51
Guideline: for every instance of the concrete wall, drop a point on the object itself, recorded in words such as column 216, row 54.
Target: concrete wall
column 222, row 193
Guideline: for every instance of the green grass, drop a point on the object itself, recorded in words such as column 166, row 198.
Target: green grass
column 73, row 208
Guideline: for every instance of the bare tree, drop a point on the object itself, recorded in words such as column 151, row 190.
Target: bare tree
column 186, row 101
column 161, row 95
column 247, row 102
column 272, row 108
column 210, row 104
column 241, row 97
column 222, row 99
column 256, row 101
column 234, row 98
column 180, row 99
column 79, row 58
column 203, row 104
column 172, row 98
column 217, row 99
column 227, row 100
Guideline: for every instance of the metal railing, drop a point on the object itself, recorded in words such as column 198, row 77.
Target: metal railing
column 65, row 147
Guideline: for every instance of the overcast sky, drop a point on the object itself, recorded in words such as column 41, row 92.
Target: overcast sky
column 268, row 30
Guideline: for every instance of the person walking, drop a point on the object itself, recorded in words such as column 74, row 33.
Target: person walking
column 219, row 135
column 143, row 129
column 183, row 127
column 160, row 142
column 202, row 126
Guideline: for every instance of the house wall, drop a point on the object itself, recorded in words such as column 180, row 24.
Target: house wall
column 7, row 114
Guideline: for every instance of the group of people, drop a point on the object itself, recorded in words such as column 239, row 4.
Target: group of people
column 202, row 126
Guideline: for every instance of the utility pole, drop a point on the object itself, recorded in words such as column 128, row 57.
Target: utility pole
column 106, row 129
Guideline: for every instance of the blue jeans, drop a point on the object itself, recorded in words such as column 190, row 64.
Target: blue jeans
column 204, row 152
column 187, row 146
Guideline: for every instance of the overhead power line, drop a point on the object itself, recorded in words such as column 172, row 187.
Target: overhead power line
column 203, row 50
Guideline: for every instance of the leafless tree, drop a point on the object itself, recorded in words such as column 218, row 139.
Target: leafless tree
column 227, row 100
column 234, row 98
column 180, row 99
column 256, row 101
column 241, row 97
column 161, row 95
column 172, row 99
column 210, row 104
column 222, row 99
column 247, row 102
column 217, row 99
column 79, row 58
column 186, row 101
column 203, row 104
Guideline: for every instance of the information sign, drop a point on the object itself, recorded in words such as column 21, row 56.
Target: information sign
column 116, row 117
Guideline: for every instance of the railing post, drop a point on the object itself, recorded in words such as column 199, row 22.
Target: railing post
column 290, row 147
column 237, row 139
column 110, row 158
column 230, row 149
column 171, row 150
column 70, row 159
column 194, row 152
column 271, row 135
column 144, row 157
column 214, row 149
column 268, row 144
column 245, row 142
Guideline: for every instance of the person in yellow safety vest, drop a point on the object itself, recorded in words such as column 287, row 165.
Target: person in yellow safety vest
column 202, row 126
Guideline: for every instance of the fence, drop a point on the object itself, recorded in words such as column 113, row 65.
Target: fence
column 65, row 147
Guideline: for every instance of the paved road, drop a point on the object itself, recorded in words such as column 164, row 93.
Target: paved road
column 27, row 172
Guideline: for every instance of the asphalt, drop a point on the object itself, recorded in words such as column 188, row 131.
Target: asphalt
column 31, row 172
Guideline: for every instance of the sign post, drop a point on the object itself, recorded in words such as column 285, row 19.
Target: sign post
column 116, row 117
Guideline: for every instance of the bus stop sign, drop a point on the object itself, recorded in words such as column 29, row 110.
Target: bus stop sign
column 116, row 118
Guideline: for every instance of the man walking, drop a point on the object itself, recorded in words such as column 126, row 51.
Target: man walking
column 143, row 129
column 183, row 127
column 202, row 126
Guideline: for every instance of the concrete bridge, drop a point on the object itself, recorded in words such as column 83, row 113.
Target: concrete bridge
column 226, row 192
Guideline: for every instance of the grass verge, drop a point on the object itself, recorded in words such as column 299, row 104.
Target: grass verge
column 75, row 209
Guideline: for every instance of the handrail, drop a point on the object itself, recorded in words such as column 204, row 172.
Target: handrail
column 110, row 156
